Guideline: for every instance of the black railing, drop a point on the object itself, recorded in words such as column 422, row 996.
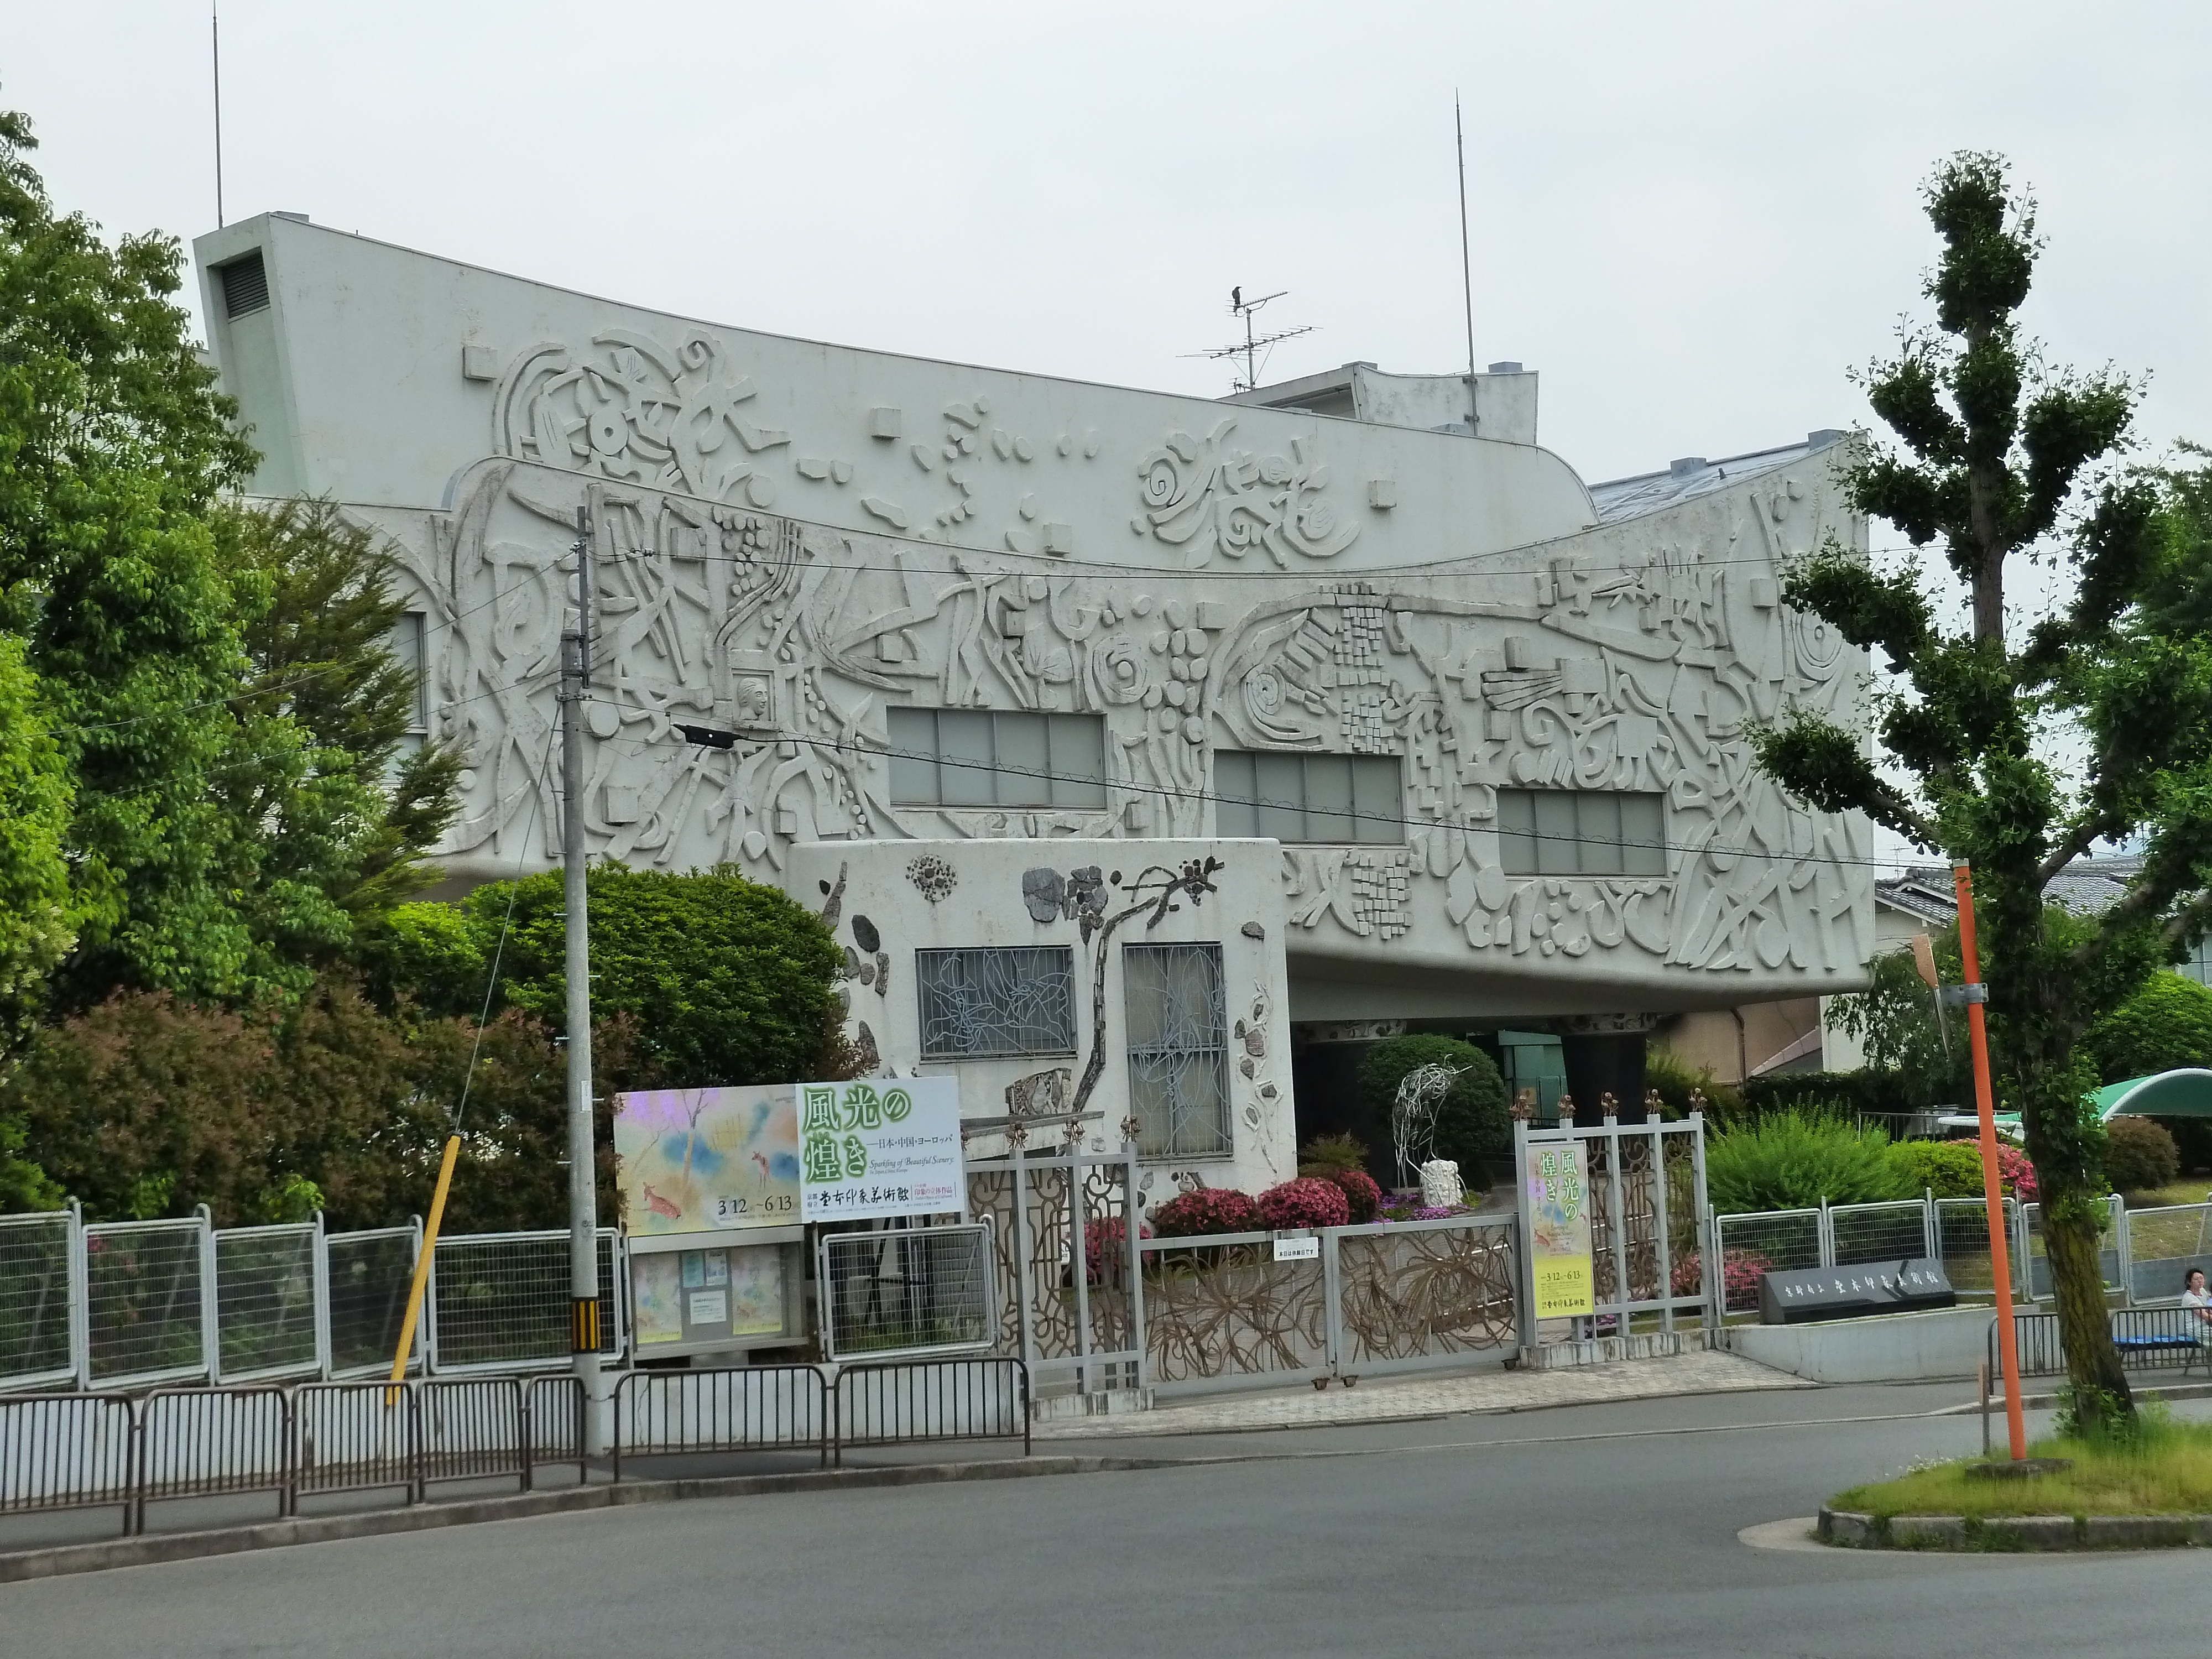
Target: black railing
column 735, row 1409
column 2148, row 1339
column 896, row 1403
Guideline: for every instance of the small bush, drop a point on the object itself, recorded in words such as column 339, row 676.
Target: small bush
column 1797, row 1156
column 2139, row 1156
column 1208, row 1210
column 1953, row 1168
column 1308, row 1201
column 1326, row 1154
column 1360, row 1192
column 1674, row 1082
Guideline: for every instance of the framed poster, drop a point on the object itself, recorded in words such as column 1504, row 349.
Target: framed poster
column 696, row 1295
column 878, row 1148
column 1556, row 1201
column 707, row 1160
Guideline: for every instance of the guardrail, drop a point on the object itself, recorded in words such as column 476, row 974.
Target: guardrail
column 2149, row 1339
column 72, row 1451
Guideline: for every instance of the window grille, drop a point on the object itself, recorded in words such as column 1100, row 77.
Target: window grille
column 1582, row 832
column 1308, row 798
column 996, row 1002
column 997, row 757
column 1178, row 1049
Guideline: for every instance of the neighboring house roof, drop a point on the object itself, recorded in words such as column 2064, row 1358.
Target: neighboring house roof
column 2088, row 886
column 1694, row 475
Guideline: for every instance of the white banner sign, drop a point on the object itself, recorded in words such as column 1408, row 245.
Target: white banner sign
column 880, row 1148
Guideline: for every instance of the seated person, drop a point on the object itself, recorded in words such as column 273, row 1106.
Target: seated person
column 2194, row 1296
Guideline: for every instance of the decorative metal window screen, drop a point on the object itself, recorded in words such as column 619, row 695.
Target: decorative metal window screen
column 996, row 757
column 1308, row 798
column 996, row 1002
column 1178, row 1049
column 1582, row 832
column 911, row 1290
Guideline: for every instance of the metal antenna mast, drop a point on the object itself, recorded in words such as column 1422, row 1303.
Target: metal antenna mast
column 214, row 41
column 1250, row 347
column 1466, row 264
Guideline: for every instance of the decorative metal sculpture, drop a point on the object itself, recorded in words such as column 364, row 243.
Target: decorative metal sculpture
column 1413, row 1117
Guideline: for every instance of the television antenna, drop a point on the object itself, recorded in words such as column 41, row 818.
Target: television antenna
column 1253, row 343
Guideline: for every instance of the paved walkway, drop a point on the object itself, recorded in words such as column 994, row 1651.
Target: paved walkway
column 1379, row 1401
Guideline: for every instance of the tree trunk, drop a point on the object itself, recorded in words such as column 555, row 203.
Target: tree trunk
column 2071, row 1241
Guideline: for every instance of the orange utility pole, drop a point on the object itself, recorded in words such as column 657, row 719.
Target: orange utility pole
column 1992, row 1183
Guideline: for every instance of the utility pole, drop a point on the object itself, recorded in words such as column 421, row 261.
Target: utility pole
column 583, row 1198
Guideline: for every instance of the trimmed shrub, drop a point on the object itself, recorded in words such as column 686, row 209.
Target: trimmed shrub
column 1471, row 1121
column 2139, row 1156
column 1308, row 1201
column 1208, row 1210
column 1326, row 1154
column 1361, row 1192
column 1797, row 1157
column 1953, row 1168
column 1879, row 1093
column 1674, row 1082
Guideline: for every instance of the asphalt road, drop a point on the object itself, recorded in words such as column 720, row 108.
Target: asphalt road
column 1590, row 1530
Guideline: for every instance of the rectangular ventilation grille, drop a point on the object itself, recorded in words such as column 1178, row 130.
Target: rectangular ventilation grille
column 245, row 286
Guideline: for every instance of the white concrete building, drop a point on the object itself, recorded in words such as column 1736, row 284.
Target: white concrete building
column 1467, row 737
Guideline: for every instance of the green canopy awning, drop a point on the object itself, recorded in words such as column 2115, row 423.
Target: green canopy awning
column 2185, row 1092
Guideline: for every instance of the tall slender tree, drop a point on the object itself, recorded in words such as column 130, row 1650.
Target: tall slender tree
column 2001, row 459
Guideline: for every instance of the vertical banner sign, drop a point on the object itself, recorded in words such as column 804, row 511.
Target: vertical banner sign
column 880, row 1148
column 1559, row 1230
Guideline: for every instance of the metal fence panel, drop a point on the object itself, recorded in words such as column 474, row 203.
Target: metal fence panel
column 265, row 1302
column 143, row 1290
column 1426, row 1291
column 367, row 1276
column 2036, row 1266
column 354, row 1437
column 905, row 1291
column 1750, row 1246
column 197, row 1442
column 556, row 1425
column 932, row 1400
column 469, row 1427
column 2166, row 1243
column 737, row 1408
column 1860, row 1233
column 1220, row 1310
column 36, row 1294
column 65, row 1451
column 1962, row 1239
column 500, row 1302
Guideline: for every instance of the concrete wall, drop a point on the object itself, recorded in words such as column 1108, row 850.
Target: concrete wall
column 1884, row 1348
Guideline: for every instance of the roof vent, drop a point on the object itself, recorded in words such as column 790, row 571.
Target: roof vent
column 245, row 285
column 1825, row 436
column 1507, row 368
column 1686, row 466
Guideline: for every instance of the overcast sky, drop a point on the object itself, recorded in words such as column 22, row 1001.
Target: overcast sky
column 1691, row 219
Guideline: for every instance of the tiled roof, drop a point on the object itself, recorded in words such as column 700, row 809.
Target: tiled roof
column 2087, row 886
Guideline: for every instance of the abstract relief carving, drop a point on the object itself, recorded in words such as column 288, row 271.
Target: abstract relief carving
column 1208, row 496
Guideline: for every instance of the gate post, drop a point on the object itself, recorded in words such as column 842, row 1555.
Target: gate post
column 1022, row 1242
column 1524, row 1265
column 1133, row 1225
column 1079, row 1252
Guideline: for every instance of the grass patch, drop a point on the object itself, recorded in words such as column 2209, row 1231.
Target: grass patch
column 2194, row 1191
column 2166, row 1469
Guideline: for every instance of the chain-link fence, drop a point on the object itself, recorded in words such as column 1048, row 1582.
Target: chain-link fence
column 36, row 1300
column 1962, row 1240
column 500, row 1302
column 145, row 1289
column 367, row 1276
column 911, row 1290
column 2037, row 1263
column 265, row 1302
column 2164, row 1244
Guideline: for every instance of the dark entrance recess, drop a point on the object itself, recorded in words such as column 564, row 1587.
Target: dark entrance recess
column 1599, row 1065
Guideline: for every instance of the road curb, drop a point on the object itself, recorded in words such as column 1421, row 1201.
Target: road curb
column 2010, row 1534
column 150, row 1549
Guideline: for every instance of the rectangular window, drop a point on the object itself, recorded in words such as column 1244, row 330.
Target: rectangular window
column 1582, row 832
column 245, row 285
column 407, row 645
column 997, row 757
column 1308, row 798
column 996, row 1002
column 1178, row 1049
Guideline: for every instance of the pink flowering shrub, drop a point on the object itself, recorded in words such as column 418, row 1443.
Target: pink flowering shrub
column 1361, row 1192
column 1740, row 1272
column 2017, row 1173
column 1208, row 1210
column 1106, row 1249
column 1308, row 1201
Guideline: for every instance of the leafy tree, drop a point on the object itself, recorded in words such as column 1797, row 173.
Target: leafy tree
column 37, row 916
column 729, row 981
column 2166, row 1024
column 1896, row 1021
column 2004, row 459
column 2140, row 1155
column 1472, row 1121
